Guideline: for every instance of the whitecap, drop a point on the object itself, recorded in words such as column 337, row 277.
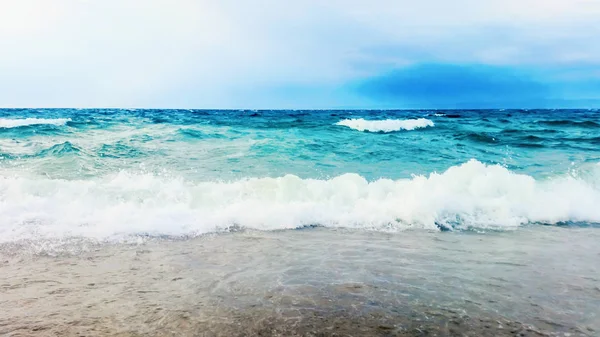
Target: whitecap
column 471, row 195
column 387, row 125
column 14, row 123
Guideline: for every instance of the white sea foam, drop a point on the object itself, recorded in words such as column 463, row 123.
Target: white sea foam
column 14, row 123
column 469, row 195
column 387, row 125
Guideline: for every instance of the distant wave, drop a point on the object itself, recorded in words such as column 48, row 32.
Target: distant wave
column 387, row 125
column 471, row 195
column 439, row 114
column 582, row 124
column 478, row 137
column 15, row 123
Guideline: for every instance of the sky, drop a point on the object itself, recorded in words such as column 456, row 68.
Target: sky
column 310, row 54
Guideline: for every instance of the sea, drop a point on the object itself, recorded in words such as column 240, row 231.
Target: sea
column 138, row 222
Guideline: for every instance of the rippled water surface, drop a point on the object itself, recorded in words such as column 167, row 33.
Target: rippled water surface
column 541, row 282
column 114, row 174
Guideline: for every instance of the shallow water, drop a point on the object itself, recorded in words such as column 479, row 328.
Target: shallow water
column 541, row 280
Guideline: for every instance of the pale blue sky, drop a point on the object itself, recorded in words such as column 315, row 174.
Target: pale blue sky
column 299, row 54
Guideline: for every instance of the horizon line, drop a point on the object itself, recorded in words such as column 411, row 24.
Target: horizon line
column 297, row 109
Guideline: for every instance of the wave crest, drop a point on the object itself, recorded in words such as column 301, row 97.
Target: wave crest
column 387, row 125
column 472, row 195
column 15, row 123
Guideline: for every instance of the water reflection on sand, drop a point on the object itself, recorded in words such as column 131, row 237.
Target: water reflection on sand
column 534, row 281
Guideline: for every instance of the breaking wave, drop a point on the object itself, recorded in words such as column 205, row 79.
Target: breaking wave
column 15, row 123
column 388, row 125
column 471, row 195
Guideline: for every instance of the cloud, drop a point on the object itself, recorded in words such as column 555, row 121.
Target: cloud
column 481, row 86
column 264, row 53
column 443, row 85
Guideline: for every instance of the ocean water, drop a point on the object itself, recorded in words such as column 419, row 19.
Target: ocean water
column 117, row 174
column 486, row 215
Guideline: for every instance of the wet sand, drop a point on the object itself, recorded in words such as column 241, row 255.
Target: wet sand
column 315, row 282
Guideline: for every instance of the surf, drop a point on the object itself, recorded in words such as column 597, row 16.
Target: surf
column 472, row 195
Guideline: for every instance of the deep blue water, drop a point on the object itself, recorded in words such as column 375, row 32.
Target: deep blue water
column 109, row 172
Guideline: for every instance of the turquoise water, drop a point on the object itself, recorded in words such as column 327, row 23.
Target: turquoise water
column 112, row 174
